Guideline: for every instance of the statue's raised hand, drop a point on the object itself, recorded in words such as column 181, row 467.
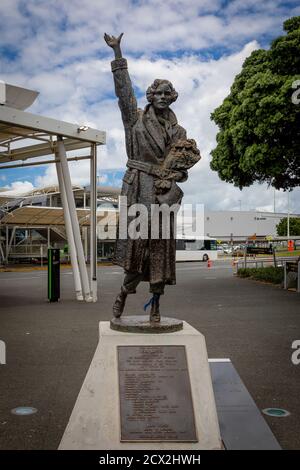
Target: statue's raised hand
column 111, row 41
column 114, row 43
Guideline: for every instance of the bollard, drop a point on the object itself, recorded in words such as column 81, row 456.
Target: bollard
column 53, row 274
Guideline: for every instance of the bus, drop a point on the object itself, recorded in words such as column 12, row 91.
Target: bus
column 196, row 249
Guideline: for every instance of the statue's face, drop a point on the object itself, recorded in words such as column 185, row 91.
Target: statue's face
column 162, row 97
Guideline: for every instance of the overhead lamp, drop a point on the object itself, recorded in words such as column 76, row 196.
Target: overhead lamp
column 82, row 128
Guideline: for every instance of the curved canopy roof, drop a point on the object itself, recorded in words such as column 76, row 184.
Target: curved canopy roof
column 30, row 216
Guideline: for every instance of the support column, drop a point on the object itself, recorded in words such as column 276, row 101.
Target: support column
column 69, row 232
column 2, row 253
column 285, row 276
column 71, row 211
column 6, row 243
column 93, row 222
column 11, row 239
column 85, row 229
column 85, row 239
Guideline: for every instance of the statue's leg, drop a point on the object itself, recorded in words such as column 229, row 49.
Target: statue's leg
column 131, row 281
column 157, row 290
column 119, row 304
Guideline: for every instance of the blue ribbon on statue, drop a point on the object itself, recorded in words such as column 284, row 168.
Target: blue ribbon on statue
column 149, row 303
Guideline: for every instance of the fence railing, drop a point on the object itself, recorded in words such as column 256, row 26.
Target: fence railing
column 261, row 262
column 289, row 263
column 28, row 250
column 291, row 267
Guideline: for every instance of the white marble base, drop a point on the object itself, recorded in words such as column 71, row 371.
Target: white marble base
column 95, row 419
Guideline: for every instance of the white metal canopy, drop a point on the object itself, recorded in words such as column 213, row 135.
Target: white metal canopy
column 18, row 125
column 18, row 129
column 15, row 96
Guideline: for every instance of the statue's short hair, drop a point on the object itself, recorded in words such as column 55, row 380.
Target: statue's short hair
column 151, row 90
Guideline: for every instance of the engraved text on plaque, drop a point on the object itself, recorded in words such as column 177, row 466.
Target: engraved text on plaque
column 155, row 394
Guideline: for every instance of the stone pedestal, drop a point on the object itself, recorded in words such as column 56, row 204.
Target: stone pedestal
column 96, row 419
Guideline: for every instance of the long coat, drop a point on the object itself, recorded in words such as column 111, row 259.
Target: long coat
column 148, row 140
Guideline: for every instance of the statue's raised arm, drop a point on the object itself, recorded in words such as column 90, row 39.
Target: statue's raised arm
column 123, row 86
column 115, row 44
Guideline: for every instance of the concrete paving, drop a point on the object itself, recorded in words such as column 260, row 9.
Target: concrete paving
column 50, row 346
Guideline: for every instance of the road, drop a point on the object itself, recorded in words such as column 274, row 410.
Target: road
column 50, row 346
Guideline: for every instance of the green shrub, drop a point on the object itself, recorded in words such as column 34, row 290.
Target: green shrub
column 244, row 272
column 267, row 274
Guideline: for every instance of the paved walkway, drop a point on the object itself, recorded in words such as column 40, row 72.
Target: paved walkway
column 50, row 346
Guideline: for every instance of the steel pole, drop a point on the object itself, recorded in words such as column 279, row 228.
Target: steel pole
column 69, row 232
column 288, row 217
column 6, row 243
column 11, row 239
column 93, row 222
column 285, row 277
column 61, row 151
column 1, row 252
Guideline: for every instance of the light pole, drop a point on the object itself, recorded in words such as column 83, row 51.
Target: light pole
column 288, row 217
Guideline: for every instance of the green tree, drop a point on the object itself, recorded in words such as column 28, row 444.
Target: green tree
column 259, row 137
column 294, row 226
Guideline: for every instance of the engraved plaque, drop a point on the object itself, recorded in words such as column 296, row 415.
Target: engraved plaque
column 155, row 394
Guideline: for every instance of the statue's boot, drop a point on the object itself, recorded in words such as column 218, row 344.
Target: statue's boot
column 154, row 314
column 119, row 304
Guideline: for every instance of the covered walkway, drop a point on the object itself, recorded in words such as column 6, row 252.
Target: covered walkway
column 18, row 130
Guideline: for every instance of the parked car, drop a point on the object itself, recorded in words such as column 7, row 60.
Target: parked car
column 238, row 251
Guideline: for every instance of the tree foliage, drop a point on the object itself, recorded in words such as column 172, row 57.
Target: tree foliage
column 259, row 135
column 294, row 227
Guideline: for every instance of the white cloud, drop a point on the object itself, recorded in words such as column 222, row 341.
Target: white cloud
column 64, row 57
column 45, row 39
column 20, row 187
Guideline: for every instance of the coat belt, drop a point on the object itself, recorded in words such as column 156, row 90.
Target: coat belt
column 154, row 170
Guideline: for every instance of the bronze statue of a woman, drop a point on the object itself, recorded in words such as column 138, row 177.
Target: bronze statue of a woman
column 159, row 155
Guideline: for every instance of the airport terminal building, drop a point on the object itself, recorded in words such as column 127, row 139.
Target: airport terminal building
column 237, row 226
column 33, row 222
